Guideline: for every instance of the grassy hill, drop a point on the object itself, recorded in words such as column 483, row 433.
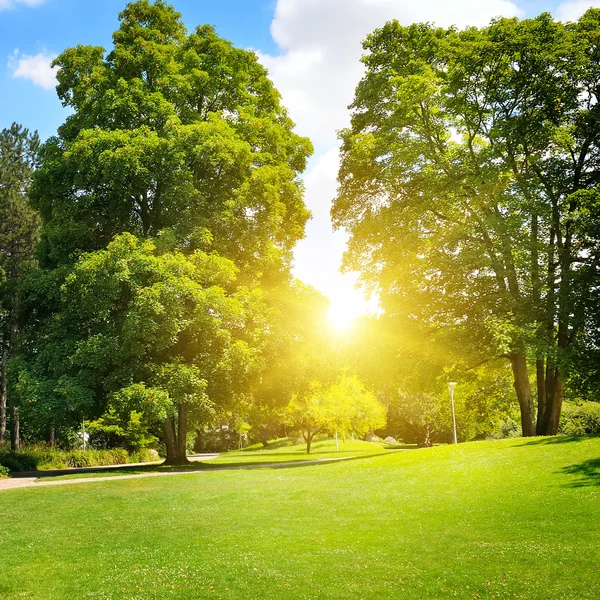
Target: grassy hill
column 507, row 519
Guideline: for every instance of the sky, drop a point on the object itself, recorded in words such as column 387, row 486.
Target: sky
column 311, row 49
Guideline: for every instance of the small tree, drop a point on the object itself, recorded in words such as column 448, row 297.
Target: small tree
column 309, row 413
column 345, row 407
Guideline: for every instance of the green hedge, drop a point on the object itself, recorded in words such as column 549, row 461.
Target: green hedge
column 42, row 458
column 582, row 418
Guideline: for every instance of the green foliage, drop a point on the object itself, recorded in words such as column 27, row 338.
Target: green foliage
column 172, row 131
column 110, row 431
column 469, row 158
column 42, row 457
column 171, row 194
column 346, row 407
column 582, row 418
column 19, row 230
column 145, row 332
column 4, row 472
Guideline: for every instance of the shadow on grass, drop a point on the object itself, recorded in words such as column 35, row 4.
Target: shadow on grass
column 588, row 472
column 199, row 466
column 556, row 439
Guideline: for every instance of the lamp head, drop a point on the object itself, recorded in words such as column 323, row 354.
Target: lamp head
column 451, row 385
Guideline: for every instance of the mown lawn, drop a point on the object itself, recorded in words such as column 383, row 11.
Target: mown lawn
column 509, row 519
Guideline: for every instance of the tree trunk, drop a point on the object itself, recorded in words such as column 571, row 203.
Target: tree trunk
column 15, row 434
column 176, row 438
column 199, row 441
column 523, row 390
column 309, row 438
column 553, row 389
column 170, row 440
column 182, row 435
column 52, row 436
column 541, row 395
column 3, row 393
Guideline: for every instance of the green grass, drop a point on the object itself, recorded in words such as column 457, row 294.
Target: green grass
column 279, row 451
column 506, row 519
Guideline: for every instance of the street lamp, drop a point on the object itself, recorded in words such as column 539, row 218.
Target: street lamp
column 451, row 386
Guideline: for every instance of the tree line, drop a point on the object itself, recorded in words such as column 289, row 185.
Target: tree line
column 147, row 247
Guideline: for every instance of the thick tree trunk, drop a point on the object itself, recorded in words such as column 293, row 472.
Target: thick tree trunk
column 15, row 434
column 176, row 438
column 3, row 394
column 553, row 391
column 523, row 391
column 170, row 440
column 541, row 394
column 182, row 435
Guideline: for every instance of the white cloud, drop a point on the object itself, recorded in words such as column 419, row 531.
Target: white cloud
column 573, row 9
column 320, row 40
column 6, row 4
column 317, row 72
column 35, row 68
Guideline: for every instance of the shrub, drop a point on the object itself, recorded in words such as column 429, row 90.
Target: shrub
column 4, row 472
column 581, row 418
column 43, row 457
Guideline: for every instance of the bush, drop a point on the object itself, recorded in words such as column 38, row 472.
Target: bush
column 42, row 457
column 507, row 428
column 4, row 472
column 582, row 418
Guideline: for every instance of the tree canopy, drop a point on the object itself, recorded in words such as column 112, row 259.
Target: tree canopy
column 470, row 158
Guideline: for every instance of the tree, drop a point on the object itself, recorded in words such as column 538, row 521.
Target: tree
column 175, row 137
column 297, row 352
column 409, row 373
column 162, row 334
column 353, row 409
column 19, row 227
column 175, row 132
column 345, row 407
column 460, row 183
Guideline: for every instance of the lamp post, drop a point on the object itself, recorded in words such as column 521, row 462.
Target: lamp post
column 451, row 386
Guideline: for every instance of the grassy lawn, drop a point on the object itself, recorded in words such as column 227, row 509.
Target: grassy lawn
column 509, row 519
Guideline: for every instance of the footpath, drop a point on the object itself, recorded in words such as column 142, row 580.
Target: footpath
column 36, row 478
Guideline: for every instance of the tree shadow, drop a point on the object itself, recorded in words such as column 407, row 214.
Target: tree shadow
column 207, row 466
column 588, row 472
column 556, row 439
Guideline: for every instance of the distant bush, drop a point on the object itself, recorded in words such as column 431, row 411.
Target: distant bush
column 581, row 418
column 42, row 457
column 4, row 472
column 505, row 428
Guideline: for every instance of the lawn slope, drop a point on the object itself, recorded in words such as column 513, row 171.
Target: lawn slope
column 509, row 519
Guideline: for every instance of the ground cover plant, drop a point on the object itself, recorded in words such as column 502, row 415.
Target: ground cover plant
column 499, row 519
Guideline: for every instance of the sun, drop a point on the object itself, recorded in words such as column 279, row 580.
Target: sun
column 346, row 304
column 342, row 315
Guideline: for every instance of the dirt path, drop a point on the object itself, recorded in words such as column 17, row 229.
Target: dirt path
column 35, row 481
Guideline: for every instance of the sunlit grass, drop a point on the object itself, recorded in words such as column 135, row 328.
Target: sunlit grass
column 508, row 519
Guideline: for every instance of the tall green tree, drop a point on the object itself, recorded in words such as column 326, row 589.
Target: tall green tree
column 460, row 184
column 19, row 229
column 175, row 137
column 176, row 132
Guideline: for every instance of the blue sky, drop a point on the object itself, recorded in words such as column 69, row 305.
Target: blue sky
column 54, row 25
column 311, row 48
